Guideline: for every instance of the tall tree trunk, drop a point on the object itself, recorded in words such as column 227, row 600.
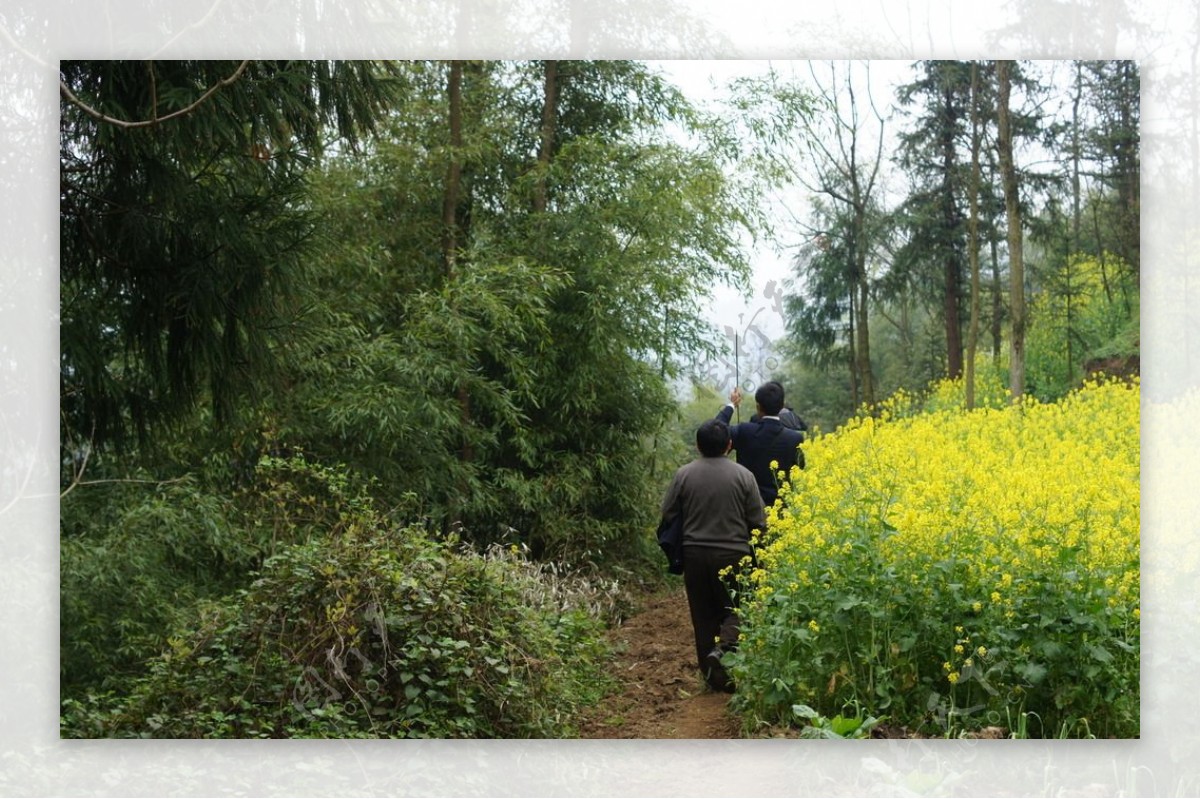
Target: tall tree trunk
column 973, row 239
column 997, row 301
column 1129, row 166
column 862, row 334
column 952, row 268
column 548, row 132
column 1076, row 208
column 954, row 341
column 1008, row 176
column 453, row 184
column 853, row 360
column 450, row 247
column 1076, row 213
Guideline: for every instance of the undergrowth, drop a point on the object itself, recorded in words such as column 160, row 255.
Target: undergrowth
column 373, row 630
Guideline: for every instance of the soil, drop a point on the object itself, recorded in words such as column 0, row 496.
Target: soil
column 662, row 694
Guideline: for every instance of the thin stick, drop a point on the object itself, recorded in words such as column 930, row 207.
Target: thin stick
column 737, row 376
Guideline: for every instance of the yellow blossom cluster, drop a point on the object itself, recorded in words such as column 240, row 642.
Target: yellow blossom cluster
column 1007, row 518
column 1009, row 491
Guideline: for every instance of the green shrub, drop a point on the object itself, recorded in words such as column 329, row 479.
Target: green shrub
column 135, row 554
column 130, row 559
column 377, row 632
column 1089, row 309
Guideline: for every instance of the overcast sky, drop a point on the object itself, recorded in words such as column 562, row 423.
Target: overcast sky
column 757, row 319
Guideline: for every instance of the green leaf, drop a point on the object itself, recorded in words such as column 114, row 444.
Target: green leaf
column 1033, row 672
column 805, row 712
column 843, row 725
column 1099, row 653
column 849, row 602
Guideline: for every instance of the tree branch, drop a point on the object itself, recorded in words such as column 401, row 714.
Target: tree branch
column 132, row 480
column 145, row 123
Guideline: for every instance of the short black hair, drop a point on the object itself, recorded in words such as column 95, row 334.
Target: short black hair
column 712, row 438
column 770, row 398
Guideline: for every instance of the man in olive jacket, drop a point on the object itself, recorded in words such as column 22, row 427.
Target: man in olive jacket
column 720, row 504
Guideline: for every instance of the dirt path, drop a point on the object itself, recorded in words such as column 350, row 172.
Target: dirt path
column 663, row 695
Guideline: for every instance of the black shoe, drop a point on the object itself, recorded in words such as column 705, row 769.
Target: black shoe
column 715, row 674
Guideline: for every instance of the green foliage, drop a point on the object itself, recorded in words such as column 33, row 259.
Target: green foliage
column 441, row 642
column 821, row 396
column 991, row 391
column 282, row 323
column 136, row 554
column 179, row 235
column 1088, row 310
column 385, row 400
column 818, row 314
column 1112, row 140
column 518, row 395
column 131, row 557
column 840, row 726
column 377, row 632
column 294, row 499
column 908, row 344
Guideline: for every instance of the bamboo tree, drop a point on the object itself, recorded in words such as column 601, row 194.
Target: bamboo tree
column 453, row 183
column 587, row 237
column 548, row 133
column 450, row 255
column 951, row 219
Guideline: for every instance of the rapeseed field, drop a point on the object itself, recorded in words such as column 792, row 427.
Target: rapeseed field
column 955, row 570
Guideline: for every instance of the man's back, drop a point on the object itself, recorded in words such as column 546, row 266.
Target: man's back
column 720, row 503
column 760, row 442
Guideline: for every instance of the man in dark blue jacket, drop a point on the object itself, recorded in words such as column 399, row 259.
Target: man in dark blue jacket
column 764, row 439
column 786, row 415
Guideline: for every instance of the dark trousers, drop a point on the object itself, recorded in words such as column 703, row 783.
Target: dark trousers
column 712, row 603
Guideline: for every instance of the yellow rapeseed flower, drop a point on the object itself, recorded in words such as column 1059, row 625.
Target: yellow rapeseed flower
column 1001, row 502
